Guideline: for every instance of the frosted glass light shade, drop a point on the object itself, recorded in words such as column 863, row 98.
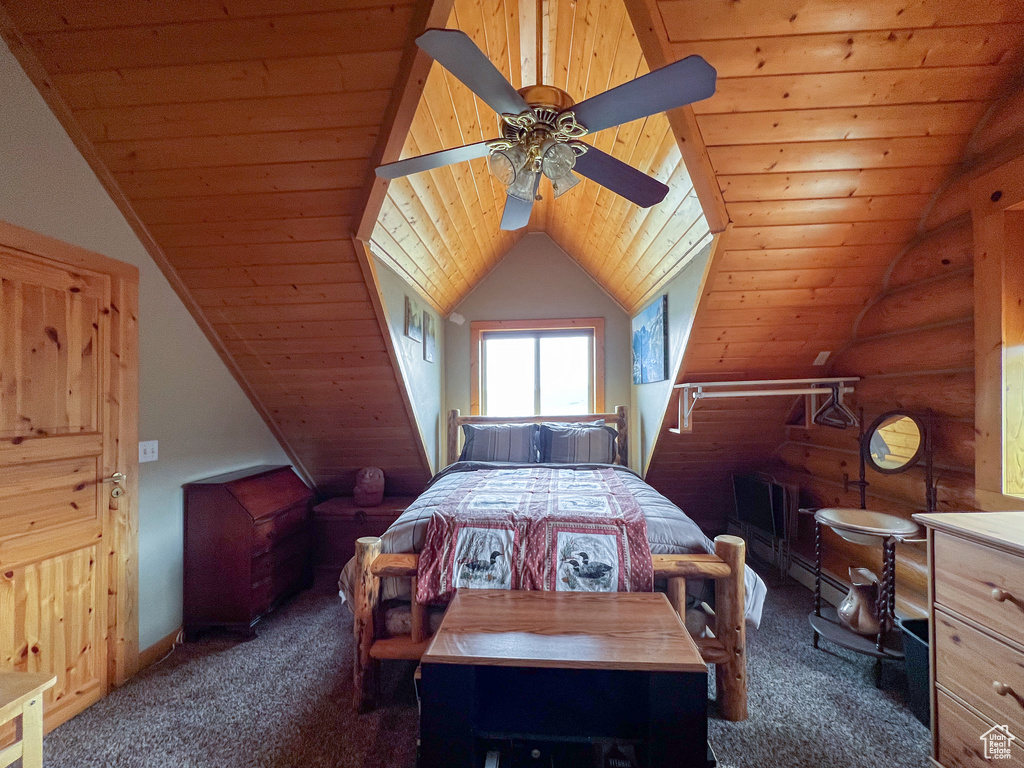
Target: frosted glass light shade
column 524, row 187
column 558, row 161
column 505, row 164
column 563, row 184
column 501, row 167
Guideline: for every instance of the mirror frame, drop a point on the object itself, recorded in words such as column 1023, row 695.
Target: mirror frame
column 865, row 443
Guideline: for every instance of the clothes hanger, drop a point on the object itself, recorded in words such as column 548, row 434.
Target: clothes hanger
column 834, row 413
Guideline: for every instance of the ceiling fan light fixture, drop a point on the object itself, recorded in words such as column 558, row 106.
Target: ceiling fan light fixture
column 525, row 185
column 564, row 183
column 501, row 168
column 503, row 165
column 558, row 160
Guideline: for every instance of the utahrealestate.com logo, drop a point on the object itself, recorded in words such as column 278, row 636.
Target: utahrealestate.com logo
column 997, row 741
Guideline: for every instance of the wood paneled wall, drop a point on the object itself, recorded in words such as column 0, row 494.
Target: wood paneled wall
column 829, row 135
column 914, row 348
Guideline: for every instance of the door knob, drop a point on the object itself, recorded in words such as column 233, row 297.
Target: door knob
column 117, row 478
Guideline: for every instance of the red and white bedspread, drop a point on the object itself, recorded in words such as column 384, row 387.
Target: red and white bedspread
column 595, row 527
column 538, row 528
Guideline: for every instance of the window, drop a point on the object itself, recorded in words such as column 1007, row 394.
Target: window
column 538, row 367
column 997, row 208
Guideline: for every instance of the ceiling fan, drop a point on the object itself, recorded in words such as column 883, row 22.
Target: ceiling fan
column 541, row 126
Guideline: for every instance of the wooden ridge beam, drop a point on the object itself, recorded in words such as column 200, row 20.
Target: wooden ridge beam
column 650, row 31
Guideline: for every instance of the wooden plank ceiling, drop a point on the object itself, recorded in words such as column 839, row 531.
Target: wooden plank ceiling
column 441, row 228
column 834, row 124
column 238, row 137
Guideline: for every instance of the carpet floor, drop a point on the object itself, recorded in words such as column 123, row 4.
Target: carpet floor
column 284, row 700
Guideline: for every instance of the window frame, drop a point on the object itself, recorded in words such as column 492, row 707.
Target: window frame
column 997, row 220
column 479, row 329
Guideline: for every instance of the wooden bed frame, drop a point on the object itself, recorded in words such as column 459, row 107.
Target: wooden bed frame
column 726, row 648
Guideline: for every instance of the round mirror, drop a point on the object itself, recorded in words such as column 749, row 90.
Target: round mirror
column 894, row 442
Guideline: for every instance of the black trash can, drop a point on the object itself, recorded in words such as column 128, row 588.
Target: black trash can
column 915, row 649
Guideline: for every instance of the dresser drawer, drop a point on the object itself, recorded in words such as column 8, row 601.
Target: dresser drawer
column 281, row 578
column 293, row 548
column 969, row 577
column 970, row 664
column 959, row 732
column 267, row 533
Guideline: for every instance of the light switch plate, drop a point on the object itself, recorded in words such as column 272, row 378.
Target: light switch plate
column 148, row 450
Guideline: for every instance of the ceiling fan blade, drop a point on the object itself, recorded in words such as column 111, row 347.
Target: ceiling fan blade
column 517, row 212
column 636, row 186
column 456, row 52
column 684, row 82
column 433, row 160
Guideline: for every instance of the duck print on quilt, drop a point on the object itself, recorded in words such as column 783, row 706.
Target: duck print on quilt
column 543, row 528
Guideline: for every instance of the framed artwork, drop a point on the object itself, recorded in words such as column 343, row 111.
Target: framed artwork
column 650, row 343
column 413, row 320
column 429, row 337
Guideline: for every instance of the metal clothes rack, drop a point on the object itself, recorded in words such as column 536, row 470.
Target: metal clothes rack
column 709, row 390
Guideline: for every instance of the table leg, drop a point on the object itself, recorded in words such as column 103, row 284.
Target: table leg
column 817, row 574
column 32, row 733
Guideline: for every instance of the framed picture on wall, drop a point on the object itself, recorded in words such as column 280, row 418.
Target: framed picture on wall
column 650, row 343
column 429, row 337
column 413, row 320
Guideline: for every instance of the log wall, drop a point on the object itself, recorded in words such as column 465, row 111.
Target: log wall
column 914, row 348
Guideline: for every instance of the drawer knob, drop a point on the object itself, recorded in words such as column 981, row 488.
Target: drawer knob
column 1000, row 595
column 1001, row 688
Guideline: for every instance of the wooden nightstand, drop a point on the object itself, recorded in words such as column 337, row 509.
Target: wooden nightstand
column 337, row 524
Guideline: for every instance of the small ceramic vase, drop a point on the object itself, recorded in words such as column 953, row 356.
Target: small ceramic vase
column 859, row 610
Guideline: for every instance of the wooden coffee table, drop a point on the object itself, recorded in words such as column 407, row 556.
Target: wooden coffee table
column 559, row 678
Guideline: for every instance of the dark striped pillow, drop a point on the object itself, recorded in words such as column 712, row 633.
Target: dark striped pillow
column 592, row 443
column 499, row 442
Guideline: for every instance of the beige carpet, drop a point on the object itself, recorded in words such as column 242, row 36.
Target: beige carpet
column 283, row 700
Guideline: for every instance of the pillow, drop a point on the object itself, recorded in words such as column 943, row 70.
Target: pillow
column 590, row 443
column 499, row 442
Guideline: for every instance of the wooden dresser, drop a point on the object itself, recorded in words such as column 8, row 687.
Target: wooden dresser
column 247, row 546
column 976, row 586
column 338, row 523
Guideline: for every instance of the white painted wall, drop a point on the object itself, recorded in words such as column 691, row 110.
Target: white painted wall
column 188, row 400
column 425, row 381
column 537, row 281
column 650, row 400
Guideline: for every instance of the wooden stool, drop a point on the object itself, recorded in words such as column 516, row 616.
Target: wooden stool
column 21, row 693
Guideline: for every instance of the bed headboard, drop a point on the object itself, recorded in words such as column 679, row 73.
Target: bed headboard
column 618, row 420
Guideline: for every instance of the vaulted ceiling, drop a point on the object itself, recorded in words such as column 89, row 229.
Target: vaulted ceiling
column 441, row 228
column 239, row 137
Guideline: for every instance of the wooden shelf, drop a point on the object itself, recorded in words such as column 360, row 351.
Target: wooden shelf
column 827, row 625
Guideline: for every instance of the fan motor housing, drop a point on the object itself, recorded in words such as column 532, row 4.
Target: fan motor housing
column 547, row 102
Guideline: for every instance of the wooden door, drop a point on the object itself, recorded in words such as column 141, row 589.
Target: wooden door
column 68, row 409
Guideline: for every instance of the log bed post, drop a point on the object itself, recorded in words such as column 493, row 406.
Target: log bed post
column 730, row 627
column 453, row 435
column 623, row 437
column 366, row 599
column 675, row 591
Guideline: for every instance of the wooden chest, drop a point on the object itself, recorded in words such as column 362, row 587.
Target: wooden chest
column 247, row 546
column 338, row 523
column 977, row 636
